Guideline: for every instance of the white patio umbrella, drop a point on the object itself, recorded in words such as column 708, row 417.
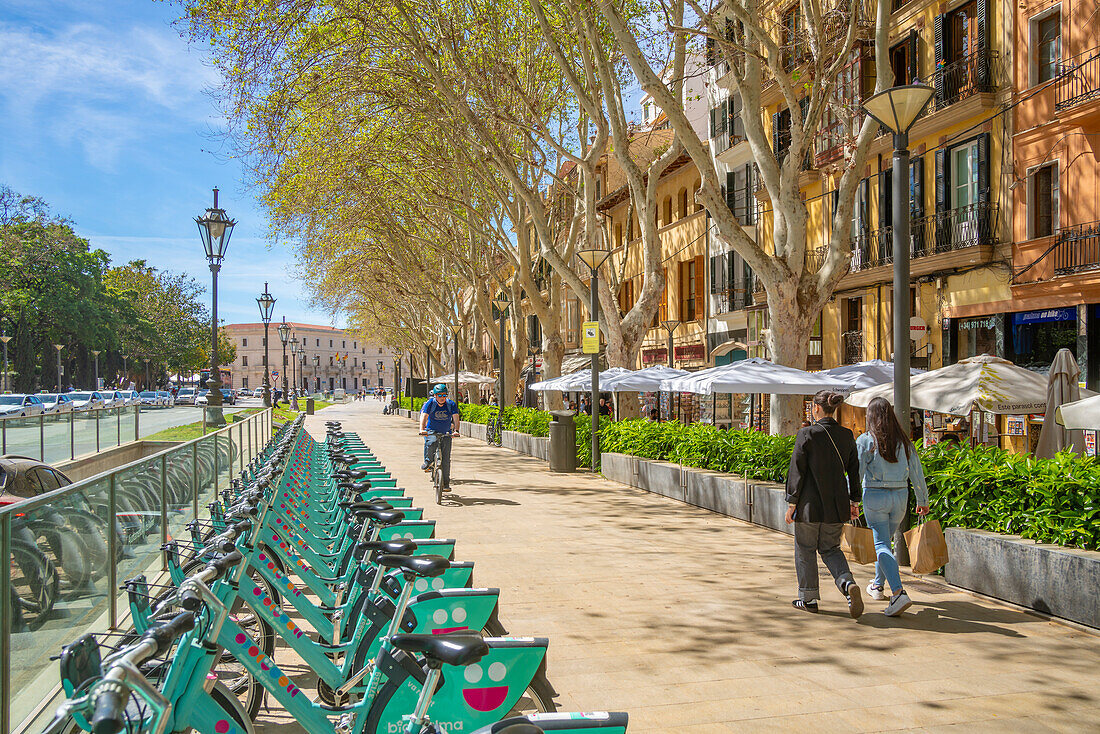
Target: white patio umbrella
column 1083, row 414
column 581, row 380
column 866, row 374
column 1062, row 388
column 555, row 383
column 985, row 383
column 644, row 380
column 753, row 376
column 464, row 378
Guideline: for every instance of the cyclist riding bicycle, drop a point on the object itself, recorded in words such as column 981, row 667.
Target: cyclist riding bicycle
column 439, row 420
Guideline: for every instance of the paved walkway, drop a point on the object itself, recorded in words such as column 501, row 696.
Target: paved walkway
column 682, row 617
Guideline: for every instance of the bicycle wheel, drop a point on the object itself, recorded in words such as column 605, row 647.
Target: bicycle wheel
column 537, row 699
column 34, row 586
column 230, row 705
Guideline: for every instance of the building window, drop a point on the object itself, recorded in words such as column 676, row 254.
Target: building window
column 903, row 60
column 814, row 360
column 244, row 382
column 852, row 337
column 330, row 343
column 1046, row 45
column 668, row 210
column 790, row 41
column 572, row 320
column 964, row 175
column 330, row 362
column 683, row 198
column 244, row 342
column 343, row 344
column 1042, row 206
column 263, row 342
column 244, row 361
column 318, row 342
column 688, row 290
column 263, row 360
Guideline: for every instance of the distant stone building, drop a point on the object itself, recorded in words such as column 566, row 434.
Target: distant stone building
column 344, row 361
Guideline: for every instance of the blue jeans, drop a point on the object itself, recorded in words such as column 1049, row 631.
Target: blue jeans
column 884, row 509
column 429, row 454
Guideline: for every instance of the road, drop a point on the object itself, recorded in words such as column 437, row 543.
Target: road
column 64, row 441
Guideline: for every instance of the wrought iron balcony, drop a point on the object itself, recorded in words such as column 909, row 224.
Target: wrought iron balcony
column 852, row 342
column 965, row 77
column 1080, row 80
column 1077, row 248
column 733, row 299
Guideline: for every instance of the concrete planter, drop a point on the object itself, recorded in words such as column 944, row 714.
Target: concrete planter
column 1063, row 582
column 525, row 444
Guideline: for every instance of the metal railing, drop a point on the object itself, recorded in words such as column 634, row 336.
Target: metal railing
column 1080, row 80
column 59, row 436
column 955, row 229
column 1077, row 248
column 733, row 299
column 852, row 344
column 69, row 549
column 965, row 77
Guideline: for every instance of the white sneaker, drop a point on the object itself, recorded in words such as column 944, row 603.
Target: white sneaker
column 898, row 604
column 875, row 592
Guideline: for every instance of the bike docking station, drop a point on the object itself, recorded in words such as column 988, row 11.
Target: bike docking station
column 314, row 549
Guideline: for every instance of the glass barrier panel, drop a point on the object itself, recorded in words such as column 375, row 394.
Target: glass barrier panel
column 137, row 497
column 204, row 471
column 127, row 417
column 20, row 436
column 60, row 575
column 177, row 487
column 56, row 433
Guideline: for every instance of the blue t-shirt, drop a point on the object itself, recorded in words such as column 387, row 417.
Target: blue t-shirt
column 439, row 416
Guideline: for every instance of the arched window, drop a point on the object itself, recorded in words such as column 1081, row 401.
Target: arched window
column 668, row 210
column 695, row 190
column 683, row 202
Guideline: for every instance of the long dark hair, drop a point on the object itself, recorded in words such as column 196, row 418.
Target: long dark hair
column 883, row 426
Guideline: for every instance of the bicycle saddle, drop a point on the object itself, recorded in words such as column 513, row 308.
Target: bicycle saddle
column 426, row 566
column 357, row 473
column 357, row 486
column 516, row 726
column 462, row 648
column 393, row 547
column 382, row 517
column 378, row 504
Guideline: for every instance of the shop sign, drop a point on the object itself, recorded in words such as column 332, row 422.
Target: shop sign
column 986, row 322
column 918, row 328
column 689, row 351
column 1050, row 314
column 649, row 356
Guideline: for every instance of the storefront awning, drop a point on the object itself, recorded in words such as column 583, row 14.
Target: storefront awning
column 728, row 346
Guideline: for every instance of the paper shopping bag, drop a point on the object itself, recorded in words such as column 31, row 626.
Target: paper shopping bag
column 858, row 544
column 927, row 547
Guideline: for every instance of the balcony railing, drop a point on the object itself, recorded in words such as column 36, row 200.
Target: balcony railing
column 1080, row 80
column 733, row 299
column 970, row 75
column 1077, row 248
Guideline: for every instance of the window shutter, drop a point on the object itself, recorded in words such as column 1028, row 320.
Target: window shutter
column 983, row 167
column 700, row 285
column 776, row 137
column 942, row 51
column 864, row 206
column 737, row 124
column 750, row 195
column 885, row 208
column 731, row 193
column 943, row 179
column 916, row 187
column 713, row 112
column 712, row 53
column 983, row 13
column 914, row 58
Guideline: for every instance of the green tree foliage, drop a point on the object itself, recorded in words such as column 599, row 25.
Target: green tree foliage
column 56, row 289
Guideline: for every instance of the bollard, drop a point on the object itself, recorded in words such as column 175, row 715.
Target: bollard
column 309, row 406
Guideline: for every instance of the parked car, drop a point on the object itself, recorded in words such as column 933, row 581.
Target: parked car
column 56, row 403
column 228, row 396
column 166, row 397
column 86, row 400
column 244, row 392
column 258, row 392
column 186, row 396
column 129, row 397
column 20, row 406
column 151, row 398
column 202, row 398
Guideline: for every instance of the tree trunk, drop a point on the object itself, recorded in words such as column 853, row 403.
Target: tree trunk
column 553, row 351
column 788, row 341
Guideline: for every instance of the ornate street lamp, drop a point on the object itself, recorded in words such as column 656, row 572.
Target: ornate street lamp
column 266, row 302
column 594, row 258
column 215, row 229
column 293, row 360
column 670, row 326
column 146, row 372
column 898, row 108
column 5, row 338
column 284, row 337
column 301, row 367
column 95, row 353
column 316, row 362
column 502, row 304
column 59, row 347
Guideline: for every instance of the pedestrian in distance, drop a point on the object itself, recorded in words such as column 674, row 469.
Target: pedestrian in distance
column 823, row 493
column 888, row 465
column 605, row 408
column 584, row 407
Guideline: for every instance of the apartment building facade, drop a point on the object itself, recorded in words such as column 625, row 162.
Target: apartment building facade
column 333, row 358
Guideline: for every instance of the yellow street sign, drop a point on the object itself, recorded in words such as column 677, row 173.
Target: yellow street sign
column 590, row 344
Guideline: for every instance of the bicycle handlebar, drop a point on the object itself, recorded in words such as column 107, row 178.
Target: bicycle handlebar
column 110, row 711
column 191, row 600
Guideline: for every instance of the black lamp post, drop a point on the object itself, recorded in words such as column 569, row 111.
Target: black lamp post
column 284, row 337
column 301, row 367
column 502, row 304
column 95, row 353
column 316, row 362
column 5, row 338
column 215, row 229
column 59, row 347
column 898, row 108
column 294, row 362
column 670, row 327
column 146, row 360
column 266, row 302
column 594, row 258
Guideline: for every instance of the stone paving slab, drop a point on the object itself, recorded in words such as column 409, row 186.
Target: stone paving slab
column 682, row 617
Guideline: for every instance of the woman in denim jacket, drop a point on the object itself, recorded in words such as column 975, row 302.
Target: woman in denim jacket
column 886, row 479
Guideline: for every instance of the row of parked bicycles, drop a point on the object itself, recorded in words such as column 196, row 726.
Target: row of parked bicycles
column 62, row 550
column 314, row 545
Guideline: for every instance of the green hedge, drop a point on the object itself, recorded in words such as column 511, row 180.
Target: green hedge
column 1047, row 500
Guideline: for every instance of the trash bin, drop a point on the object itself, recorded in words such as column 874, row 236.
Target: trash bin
column 563, row 441
column 309, row 406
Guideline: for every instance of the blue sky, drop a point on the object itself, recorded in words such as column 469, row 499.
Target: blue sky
column 104, row 114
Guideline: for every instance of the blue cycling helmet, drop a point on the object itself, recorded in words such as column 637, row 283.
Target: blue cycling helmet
column 439, row 390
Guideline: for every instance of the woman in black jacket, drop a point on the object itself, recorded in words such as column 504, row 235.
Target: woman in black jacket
column 823, row 493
